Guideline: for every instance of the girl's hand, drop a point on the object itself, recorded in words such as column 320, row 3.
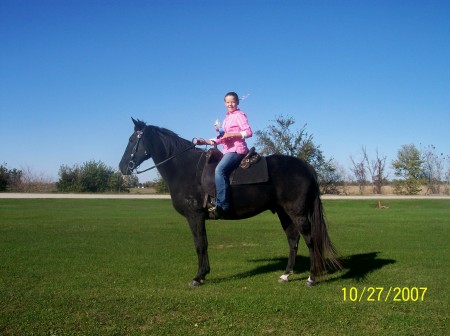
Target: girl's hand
column 200, row 141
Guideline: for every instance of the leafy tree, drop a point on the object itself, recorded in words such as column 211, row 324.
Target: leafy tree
column 95, row 176
column 3, row 177
column 409, row 167
column 69, row 179
column 280, row 139
column 330, row 177
column 10, row 179
column 160, row 185
column 92, row 176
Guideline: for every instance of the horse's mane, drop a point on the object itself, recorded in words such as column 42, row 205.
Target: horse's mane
column 169, row 138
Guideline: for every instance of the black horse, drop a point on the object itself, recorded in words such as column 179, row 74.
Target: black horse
column 292, row 192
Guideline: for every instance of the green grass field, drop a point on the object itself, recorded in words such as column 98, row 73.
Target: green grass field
column 122, row 267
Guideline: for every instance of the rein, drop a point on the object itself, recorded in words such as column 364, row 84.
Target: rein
column 164, row 161
column 132, row 165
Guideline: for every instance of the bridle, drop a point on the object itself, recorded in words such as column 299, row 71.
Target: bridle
column 132, row 165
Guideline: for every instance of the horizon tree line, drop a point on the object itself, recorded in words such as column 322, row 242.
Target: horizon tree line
column 413, row 168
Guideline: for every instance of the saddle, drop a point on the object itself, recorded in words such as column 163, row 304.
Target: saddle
column 251, row 170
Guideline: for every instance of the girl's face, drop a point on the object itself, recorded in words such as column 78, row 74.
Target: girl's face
column 231, row 104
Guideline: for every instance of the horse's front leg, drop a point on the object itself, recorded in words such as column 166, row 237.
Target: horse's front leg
column 198, row 229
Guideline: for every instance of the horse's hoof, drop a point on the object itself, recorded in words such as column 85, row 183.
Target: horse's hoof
column 284, row 278
column 194, row 283
column 310, row 283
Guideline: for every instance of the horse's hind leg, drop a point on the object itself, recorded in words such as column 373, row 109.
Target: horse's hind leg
column 305, row 229
column 294, row 226
column 311, row 279
column 293, row 236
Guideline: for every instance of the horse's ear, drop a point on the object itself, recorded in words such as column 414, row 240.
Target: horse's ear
column 135, row 122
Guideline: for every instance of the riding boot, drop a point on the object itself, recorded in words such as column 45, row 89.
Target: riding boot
column 218, row 213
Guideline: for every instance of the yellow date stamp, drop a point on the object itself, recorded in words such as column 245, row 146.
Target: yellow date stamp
column 384, row 294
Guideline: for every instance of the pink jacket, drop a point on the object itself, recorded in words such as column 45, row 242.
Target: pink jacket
column 235, row 122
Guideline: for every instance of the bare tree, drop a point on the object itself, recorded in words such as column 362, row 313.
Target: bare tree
column 433, row 168
column 359, row 170
column 447, row 177
column 35, row 182
column 376, row 169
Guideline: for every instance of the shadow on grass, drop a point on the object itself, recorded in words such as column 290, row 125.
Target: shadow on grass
column 358, row 266
column 355, row 267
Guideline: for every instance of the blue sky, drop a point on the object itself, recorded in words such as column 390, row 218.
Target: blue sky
column 358, row 73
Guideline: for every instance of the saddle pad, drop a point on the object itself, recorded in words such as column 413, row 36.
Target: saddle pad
column 256, row 173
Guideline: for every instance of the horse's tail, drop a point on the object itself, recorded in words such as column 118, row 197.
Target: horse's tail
column 324, row 249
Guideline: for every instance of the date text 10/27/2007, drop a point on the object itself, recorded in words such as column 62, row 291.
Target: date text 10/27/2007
column 382, row 294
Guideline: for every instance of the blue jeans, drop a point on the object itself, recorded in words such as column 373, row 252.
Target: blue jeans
column 223, row 171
